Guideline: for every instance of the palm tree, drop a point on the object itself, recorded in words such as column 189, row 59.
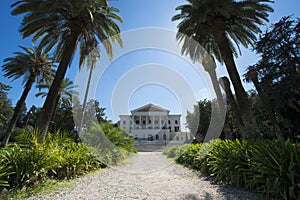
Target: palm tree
column 65, row 93
column 64, row 24
column 35, row 65
column 252, row 75
column 219, row 27
column 91, row 60
column 198, row 54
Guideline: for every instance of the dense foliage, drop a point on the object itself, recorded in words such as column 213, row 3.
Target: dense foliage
column 271, row 168
column 201, row 112
column 6, row 109
column 31, row 159
column 278, row 73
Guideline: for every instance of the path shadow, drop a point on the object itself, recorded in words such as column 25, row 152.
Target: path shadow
column 207, row 196
column 229, row 192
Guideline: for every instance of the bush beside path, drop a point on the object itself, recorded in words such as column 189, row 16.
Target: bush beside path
column 151, row 176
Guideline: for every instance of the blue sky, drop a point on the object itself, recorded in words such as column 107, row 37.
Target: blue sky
column 136, row 14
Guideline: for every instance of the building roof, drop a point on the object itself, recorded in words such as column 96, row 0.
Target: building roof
column 150, row 108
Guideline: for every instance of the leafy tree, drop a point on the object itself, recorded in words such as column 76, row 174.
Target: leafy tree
column 100, row 113
column 277, row 74
column 30, row 119
column 94, row 113
column 198, row 120
column 6, row 109
column 264, row 124
column 63, row 119
column 253, row 76
column 65, row 24
column 217, row 26
column 35, row 65
column 107, row 136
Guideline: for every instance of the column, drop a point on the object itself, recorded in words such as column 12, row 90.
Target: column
column 160, row 122
column 153, row 119
column 133, row 121
column 167, row 122
column 140, row 124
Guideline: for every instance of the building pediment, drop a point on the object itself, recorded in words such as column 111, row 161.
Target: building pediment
column 150, row 108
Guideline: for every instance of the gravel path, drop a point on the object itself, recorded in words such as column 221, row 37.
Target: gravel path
column 148, row 176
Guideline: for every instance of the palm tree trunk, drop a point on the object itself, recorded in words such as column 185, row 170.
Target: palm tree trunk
column 55, row 109
column 235, row 109
column 17, row 111
column 216, row 122
column 49, row 104
column 268, row 108
column 227, row 56
column 84, row 102
column 241, row 95
column 210, row 68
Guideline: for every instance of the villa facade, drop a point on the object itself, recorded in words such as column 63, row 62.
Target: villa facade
column 152, row 123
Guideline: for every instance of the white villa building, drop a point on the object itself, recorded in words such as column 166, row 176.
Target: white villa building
column 152, row 123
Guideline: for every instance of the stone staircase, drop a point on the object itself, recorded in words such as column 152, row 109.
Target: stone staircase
column 152, row 146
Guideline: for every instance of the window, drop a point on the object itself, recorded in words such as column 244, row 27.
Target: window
column 156, row 137
column 169, row 121
column 155, row 121
column 137, row 121
column 124, row 122
column 176, row 128
column 170, row 128
column 144, row 122
column 176, row 122
column 149, row 121
column 150, row 137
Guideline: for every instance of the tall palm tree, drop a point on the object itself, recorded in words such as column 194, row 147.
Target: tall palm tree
column 64, row 25
column 91, row 60
column 220, row 27
column 35, row 65
column 198, row 54
column 65, row 93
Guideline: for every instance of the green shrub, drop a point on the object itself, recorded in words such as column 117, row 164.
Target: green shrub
column 25, row 165
column 175, row 151
column 195, row 156
column 190, row 157
column 229, row 162
column 32, row 159
column 271, row 168
column 276, row 169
